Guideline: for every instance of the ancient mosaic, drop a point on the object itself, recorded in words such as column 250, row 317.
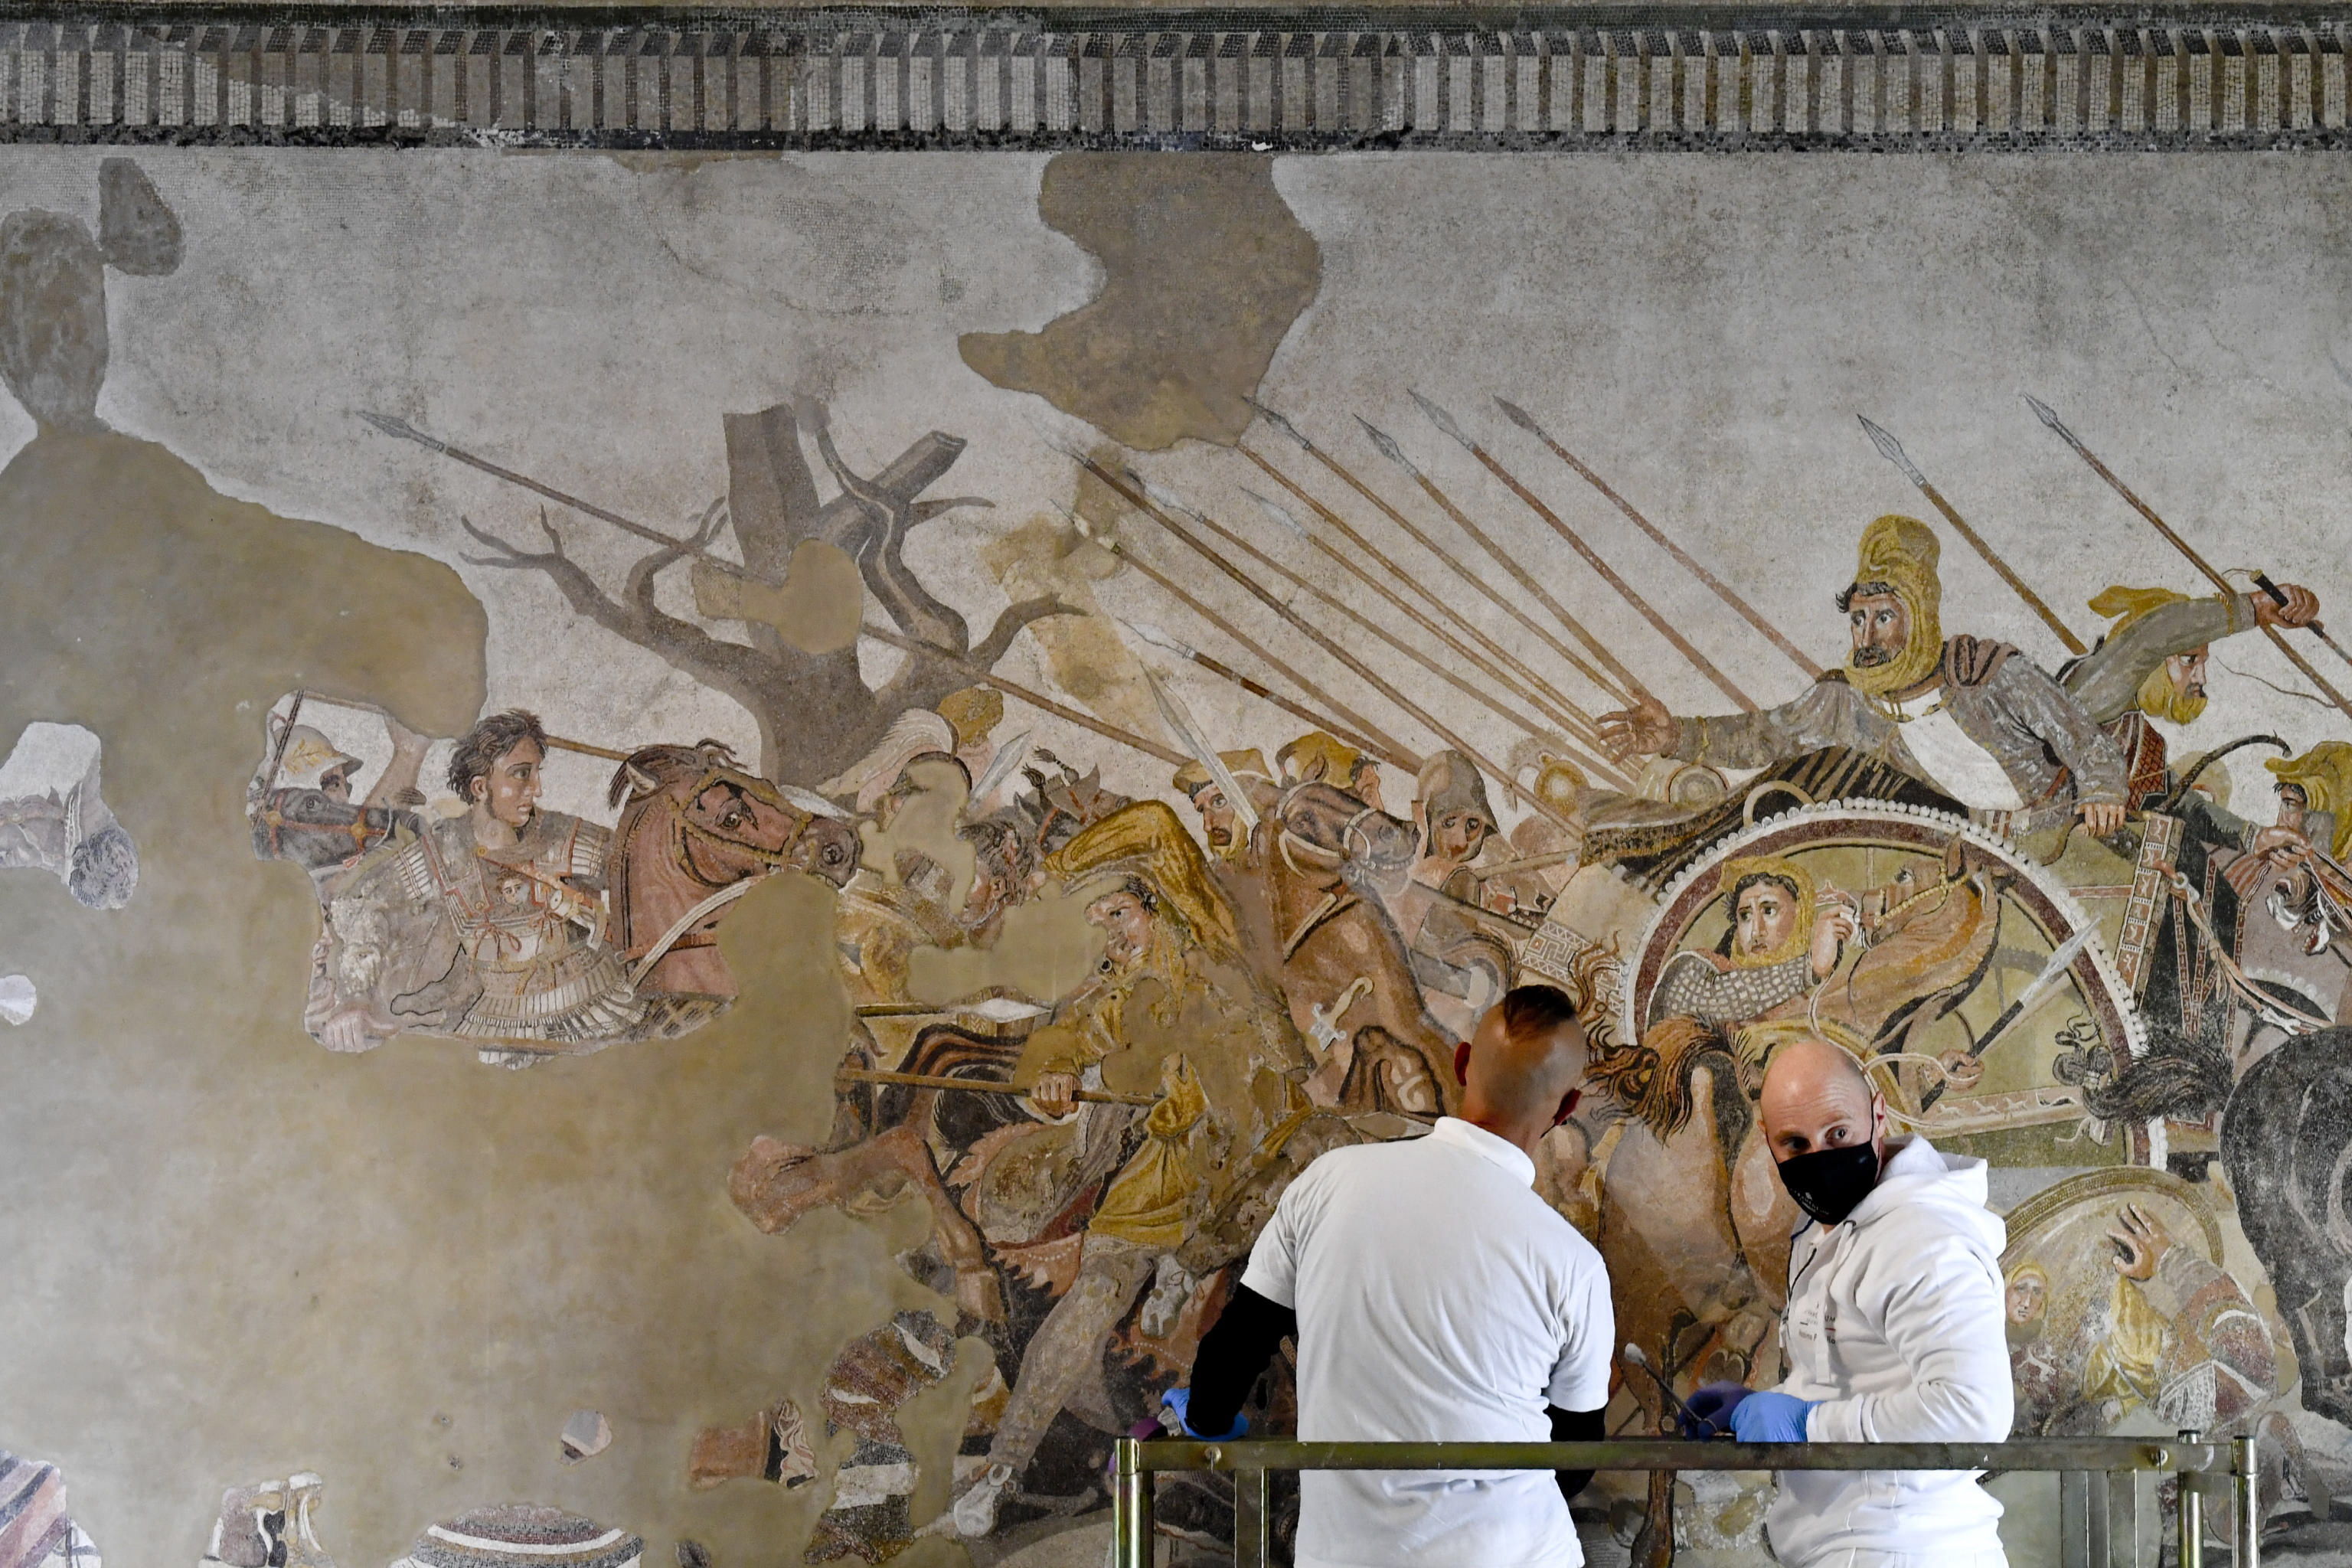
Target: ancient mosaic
column 754, row 808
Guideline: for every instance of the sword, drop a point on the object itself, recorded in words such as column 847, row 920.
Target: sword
column 970, row 1086
column 2052, row 972
column 2049, row 416
column 1180, row 722
column 1892, row 450
column 1010, row 755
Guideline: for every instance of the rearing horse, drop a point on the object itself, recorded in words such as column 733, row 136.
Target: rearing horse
column 697, row 830
column 1339, row 961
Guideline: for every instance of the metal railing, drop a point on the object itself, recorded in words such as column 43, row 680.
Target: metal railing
column 2106, row 1486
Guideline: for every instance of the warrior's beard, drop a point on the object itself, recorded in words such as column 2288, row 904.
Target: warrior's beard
column 2161, row 697
column 1876, row 671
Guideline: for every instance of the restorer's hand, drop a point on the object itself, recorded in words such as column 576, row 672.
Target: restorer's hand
column 1770, row 1417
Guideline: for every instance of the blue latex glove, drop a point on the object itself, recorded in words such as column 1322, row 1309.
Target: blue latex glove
column 1180, row 1400
column 1710, row 1409
column 1770, row 1417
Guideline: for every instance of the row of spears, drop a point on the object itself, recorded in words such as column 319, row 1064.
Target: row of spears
column 1513, row 689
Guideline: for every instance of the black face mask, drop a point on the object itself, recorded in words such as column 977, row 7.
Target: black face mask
column 1828, row 1184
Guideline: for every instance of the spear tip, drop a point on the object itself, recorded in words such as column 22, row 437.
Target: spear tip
column 1283, row 426
column 1892, row 450
column 401, row 429
column 1277, row 512
column 2044, row 412
column 1387, row 444
column 1442, row 419
column 1519, row 415
column 1154, row 634
column 1160, row 495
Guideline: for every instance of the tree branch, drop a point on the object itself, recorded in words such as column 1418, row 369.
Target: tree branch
column 1009, row 625
column 743, row 673
column 924, row 510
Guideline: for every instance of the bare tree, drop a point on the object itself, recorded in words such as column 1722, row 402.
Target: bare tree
column 816, row 712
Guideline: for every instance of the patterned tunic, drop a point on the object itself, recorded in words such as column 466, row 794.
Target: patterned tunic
column 535, row 938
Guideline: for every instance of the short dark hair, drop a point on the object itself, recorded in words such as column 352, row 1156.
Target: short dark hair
column 480, row 748
column 1750, row 880
column 1853, row 591
column 1532, row 1010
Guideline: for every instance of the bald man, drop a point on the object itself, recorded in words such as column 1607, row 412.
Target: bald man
column 1893, row 1332
column 1435, row 1298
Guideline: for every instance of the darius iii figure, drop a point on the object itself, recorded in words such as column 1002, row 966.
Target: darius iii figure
column 1968, row 717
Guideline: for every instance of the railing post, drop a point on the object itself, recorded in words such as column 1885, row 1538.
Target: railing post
column 1253, row 1519
column 2189, row 1506
column 2125, row 1499
column 2074, row 1532
column 1130, row 1508
column 2245, row 1504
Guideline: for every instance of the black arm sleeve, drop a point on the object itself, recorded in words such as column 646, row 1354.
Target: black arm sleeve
column 1571, row 1427
column 1233, row 1353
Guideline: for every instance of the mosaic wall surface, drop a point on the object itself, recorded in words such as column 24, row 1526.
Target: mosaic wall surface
column 686, row 842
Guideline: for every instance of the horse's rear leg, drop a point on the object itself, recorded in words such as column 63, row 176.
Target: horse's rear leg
column 977, row 1290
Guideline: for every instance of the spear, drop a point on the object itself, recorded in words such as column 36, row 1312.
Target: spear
column 1037, row 700
column 1747, row 612
column 1892, row 450
column 1384, row 742
column 1522, row 682
column 1180, row 723
column 1492, row 672
column 1169, row 643
column 403, row 430
column 1357, row 666
column 1452, row 558
column 1626, row 679
column 2049, row 416
column 1475, row 692
column 1625, row 591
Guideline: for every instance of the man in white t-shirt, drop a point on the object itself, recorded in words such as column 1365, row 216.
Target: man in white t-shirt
column 1435, row 1298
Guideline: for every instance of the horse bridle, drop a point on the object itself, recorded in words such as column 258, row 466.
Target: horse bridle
column 1286, row 841
column 774, row 858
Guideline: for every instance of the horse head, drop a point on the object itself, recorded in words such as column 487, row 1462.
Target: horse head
column 1322, row 828
column 733, row 824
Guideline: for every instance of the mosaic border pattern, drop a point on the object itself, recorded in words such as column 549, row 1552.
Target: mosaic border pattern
column 1234, row 81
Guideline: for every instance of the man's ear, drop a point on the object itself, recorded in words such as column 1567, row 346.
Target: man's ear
column 1462, row 1064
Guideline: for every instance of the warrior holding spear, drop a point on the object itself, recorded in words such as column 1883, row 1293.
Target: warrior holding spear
column 1968, row 717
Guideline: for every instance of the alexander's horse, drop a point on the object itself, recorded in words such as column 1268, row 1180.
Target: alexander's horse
column 696, row 831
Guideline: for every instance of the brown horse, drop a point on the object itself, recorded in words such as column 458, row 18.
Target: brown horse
column 696, row 830
column 1337, row 959
column 882, row 1141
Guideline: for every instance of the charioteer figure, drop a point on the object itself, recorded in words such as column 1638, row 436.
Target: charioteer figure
column 1970, row 718
column 2152, row 662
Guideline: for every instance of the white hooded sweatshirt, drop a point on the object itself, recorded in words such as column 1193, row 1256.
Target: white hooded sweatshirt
column 1894, row 1324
